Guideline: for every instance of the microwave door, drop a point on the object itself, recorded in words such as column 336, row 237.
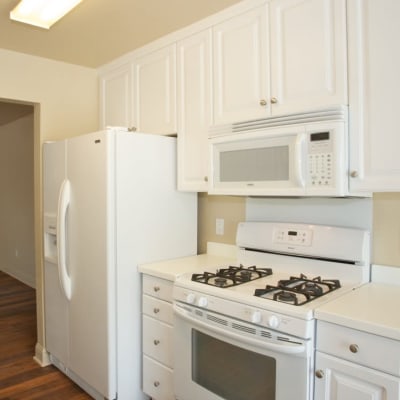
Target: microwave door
column 261, row 165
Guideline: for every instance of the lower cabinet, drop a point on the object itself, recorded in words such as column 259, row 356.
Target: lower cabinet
column 355, row 365
column 157, row 338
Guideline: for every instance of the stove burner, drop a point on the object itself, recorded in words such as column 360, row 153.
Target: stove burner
column 298, row 290
column 231, row 276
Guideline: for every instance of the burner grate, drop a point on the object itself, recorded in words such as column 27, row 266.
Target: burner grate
column 231, row 276
column 298, row 290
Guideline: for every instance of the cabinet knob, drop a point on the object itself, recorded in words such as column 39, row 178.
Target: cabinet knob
column 156, row 383
column 132, row 129
column 353, row 348
column 354, row 174
column 156, row 310
column 319, row 373
column 206, row 179
column 156, row 342
column 156, row 288
column 274, row 100
column 263, row 102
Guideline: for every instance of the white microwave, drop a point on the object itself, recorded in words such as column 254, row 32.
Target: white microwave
column 294, row 160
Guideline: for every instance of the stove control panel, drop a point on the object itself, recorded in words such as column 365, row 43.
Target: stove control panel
column 300, row 237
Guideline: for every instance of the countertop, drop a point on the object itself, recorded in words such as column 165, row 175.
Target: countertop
column 372, row 308
column 217, row 255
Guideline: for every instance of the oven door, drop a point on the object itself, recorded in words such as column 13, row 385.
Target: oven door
column 213, row 362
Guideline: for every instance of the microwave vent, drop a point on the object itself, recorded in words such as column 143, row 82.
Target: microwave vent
column 339, row 113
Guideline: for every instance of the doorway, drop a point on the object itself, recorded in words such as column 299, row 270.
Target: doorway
column 17, row 231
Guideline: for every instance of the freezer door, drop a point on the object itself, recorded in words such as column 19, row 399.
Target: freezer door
column 55, row 303
column 91, row 260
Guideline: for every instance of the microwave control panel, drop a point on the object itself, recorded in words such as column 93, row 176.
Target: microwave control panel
column 320, row 159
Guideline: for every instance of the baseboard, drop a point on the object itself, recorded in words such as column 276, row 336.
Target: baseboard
column 41, row 356
column 27, row 279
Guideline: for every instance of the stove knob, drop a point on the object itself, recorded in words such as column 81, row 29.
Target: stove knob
column 256, row 317
column 203, row 302
column 273, row 321
column 190, row 298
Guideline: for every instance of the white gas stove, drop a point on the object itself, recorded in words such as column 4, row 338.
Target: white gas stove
column 266, row 302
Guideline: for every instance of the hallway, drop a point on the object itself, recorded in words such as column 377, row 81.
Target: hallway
column 21, row 378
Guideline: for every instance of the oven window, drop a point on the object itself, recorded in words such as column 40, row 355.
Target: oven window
column 231, row 372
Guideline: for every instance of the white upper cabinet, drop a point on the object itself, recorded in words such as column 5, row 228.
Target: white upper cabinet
column 194, row 110
column 308, row 54
column 374, row 87
column 284, row 57
column 115, row 97
column 154, row 91
column 240, row 57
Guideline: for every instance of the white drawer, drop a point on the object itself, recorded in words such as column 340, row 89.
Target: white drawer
column 160, row 288
column 157, row 380
column 363, row 348
column 157, row 340
column 158, row 309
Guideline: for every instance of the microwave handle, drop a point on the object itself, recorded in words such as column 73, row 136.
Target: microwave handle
column 298, row 157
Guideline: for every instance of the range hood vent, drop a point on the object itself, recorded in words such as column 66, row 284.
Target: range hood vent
column 339, row 113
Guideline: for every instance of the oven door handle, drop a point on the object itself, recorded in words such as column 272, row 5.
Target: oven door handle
column 286, row 348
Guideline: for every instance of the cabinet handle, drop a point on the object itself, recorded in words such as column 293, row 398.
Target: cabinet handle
column 156, row 342
column 156, row 288
column 353, row 348
column 132, row 129
column 274, row 100
column 354, row 174
column 263, row 102
column 156, row 310
column 319, row 373
column 156, row 383
column 206, row 179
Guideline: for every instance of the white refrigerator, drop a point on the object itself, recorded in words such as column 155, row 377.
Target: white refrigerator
column 110, row 203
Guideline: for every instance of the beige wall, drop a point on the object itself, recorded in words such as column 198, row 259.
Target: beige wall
column 385, row 232
column 65, row 97
column 17, row 254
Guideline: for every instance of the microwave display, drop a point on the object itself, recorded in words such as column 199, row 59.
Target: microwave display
column 319, row 136
column 255, row 164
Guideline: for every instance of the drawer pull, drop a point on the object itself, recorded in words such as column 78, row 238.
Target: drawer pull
column 353, row 348
column 319, row 373
column 156, row 288
column 156, row 383
column 156, row 342
column 156, row 310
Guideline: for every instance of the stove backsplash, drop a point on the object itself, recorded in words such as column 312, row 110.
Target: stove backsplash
column 346, row 212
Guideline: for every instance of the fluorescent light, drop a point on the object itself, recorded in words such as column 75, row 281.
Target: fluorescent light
column 42, row 13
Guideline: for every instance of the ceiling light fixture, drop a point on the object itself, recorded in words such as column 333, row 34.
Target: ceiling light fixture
column 42, row 13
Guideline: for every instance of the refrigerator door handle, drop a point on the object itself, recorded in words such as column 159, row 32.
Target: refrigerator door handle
column 63, row 204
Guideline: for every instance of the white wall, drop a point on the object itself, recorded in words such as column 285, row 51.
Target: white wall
column 17, row 255
column 66, row 104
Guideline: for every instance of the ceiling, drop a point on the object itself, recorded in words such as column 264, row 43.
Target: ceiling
column 98, row 31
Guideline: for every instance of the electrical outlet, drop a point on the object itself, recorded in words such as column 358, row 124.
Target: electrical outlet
column 219, row 226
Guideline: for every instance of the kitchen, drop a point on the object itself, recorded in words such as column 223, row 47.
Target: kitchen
column 60, row 115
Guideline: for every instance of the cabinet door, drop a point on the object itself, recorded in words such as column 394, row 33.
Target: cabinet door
column 337, row 379
column 374, row 86
column 308, row 54
column 194, row 99
column 116, row 98
column 240, row 67
column 154, row 91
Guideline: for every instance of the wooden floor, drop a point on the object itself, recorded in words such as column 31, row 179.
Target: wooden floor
column 21, row 378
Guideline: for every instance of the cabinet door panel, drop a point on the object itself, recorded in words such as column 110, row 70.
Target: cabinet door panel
column 374, row 86
column 154, row 80
column 240, row 67
column 194, row 99
column 308, row 54
column 115, row 98
column 343, row 380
